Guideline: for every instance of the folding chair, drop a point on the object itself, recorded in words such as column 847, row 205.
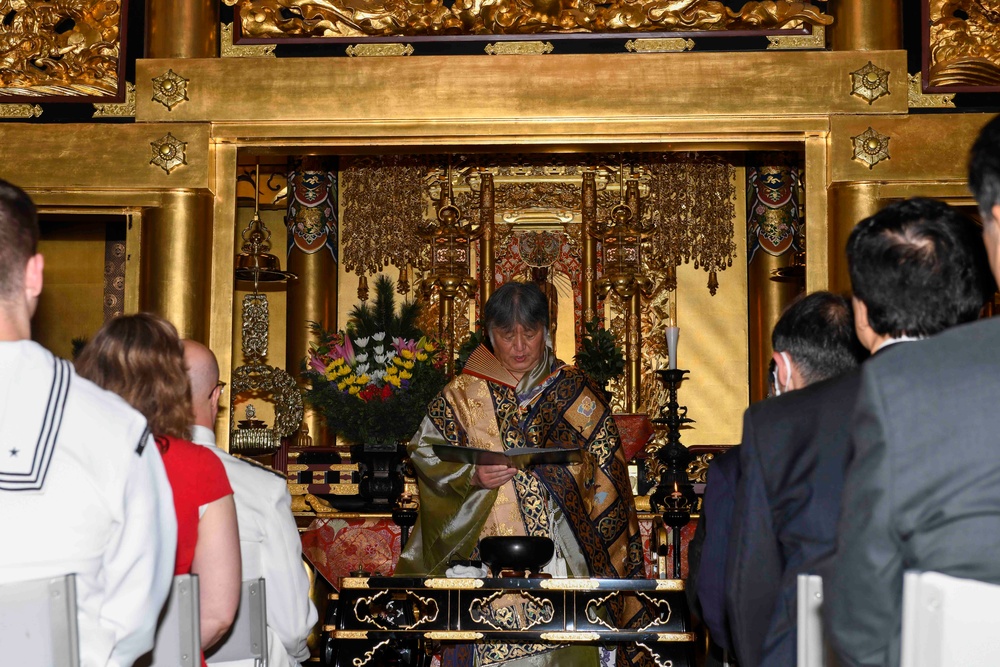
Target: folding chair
column 247, row 638
column 811, row 650
column 178, row 633
column 949, row 622
column 38, row 625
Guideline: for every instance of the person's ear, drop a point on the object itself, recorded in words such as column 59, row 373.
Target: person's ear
column 782, row 370
column 862, row 329
column 34, row 277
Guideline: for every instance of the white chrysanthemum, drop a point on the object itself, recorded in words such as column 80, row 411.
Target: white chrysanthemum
column 361, row 358
column 380, row 336
column 361, row 342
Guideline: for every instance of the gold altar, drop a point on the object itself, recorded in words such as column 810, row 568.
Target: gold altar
column 163, row 166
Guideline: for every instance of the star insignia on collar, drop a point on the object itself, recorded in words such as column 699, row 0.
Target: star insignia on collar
column 14, row 451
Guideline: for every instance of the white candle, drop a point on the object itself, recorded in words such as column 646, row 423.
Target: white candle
column 673, row 333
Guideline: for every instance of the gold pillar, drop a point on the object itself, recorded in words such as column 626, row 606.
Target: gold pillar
column 182, row 28
column 589, row 259
column 313, row 297
column 486, row 256
column 850, row 204
column 176, row 247
column 633, row 352
column 866, row 25
column 767, row 300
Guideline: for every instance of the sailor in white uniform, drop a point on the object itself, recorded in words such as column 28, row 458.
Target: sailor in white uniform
column 82, row 486
column 269, row 540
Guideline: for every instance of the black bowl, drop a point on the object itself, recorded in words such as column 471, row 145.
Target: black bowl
column 516, row 552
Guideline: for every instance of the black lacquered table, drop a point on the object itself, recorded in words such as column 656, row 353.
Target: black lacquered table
column 387, row 620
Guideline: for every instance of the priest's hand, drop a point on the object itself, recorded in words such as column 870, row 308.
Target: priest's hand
column 493, row 476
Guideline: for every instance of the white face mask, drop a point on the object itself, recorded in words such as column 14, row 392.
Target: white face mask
column 788, row 375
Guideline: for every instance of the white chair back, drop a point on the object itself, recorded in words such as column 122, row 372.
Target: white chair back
column 949, row 622
column 811, row 650
column 178, row 633
column 247, row 638
column 38, row 624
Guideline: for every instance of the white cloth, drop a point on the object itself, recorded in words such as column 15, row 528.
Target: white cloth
column 98, row 503
column 270, row 548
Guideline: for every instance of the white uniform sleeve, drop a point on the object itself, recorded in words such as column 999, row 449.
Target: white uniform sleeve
column 139, row 561
column 290, row 612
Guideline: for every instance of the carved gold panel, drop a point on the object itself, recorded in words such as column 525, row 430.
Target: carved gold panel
column 283, row 19
column 65, row 49
column 961, row 49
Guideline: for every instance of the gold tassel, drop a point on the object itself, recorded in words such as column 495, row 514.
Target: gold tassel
column 363, row 288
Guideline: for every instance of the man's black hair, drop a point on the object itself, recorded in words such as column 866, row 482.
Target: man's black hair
column 920, row 267
column 984, row 168
column 516, row 303
column 817, row 331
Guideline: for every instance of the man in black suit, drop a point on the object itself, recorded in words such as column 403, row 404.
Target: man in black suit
column 923, row 487
column 916, row 268
column 814, row 340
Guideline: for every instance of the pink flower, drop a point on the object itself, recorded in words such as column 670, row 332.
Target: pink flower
column 345, row 351
column 317, row 364
column 401, row 344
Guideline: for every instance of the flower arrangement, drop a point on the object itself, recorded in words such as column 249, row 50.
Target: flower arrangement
column 374, row 381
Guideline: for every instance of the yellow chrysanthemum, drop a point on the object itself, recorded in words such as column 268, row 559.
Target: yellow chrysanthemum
column 396, row 361
column 429, row 346
column 353, row 391
column 330, row 377
column 421, row 356
column 363, row 379
column 405, row 375
column 406, row 354
column 393, row 380
column 342, row 386
column 408, row 365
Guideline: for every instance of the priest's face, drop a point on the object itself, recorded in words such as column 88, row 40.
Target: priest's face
column 518, row 349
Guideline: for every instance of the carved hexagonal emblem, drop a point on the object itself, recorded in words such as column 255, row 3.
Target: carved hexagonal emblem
column 870, row 82
column 170, row 89
column 871, row 147
column 169, row 152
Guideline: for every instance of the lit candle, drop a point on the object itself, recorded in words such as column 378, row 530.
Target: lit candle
column 673, row 333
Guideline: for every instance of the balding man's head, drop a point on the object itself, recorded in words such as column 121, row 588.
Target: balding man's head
column 203, row 372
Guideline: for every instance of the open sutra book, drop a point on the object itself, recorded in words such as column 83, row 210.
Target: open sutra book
column 516, row 457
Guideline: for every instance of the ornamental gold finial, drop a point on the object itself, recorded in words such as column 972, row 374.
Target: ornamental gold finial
column 169, row 152
column 871, row 147
column 170, row 89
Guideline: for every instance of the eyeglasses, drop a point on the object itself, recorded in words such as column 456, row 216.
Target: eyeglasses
column 221, row 386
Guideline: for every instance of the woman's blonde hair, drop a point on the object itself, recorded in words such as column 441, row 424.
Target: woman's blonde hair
column 141, row 358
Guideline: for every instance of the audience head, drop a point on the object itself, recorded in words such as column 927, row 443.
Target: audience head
column 984, row 181
column 140, row 358
column 917, row 267
column 516, row 320
column 203, row 373
column 20, row 263
column 814, row 340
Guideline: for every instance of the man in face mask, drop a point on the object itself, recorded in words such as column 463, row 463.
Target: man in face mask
column 917, row 267
column 814, row 340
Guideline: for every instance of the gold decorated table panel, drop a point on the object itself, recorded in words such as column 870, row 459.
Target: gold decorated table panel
column 370, row 611
column 458, row 88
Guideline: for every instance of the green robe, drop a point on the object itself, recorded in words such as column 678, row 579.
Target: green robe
column 588, row 508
